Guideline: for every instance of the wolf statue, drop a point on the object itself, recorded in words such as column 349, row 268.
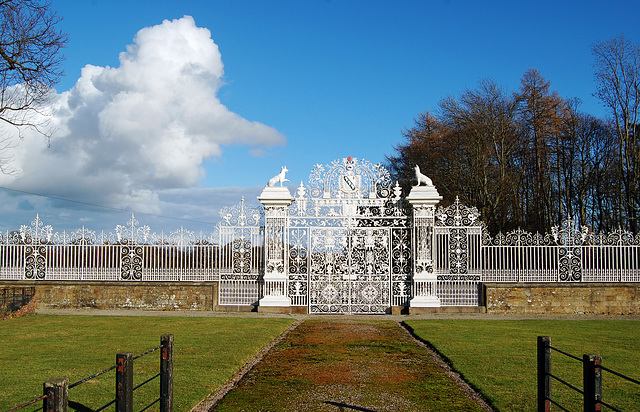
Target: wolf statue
column 279, row 177
column 422, row 178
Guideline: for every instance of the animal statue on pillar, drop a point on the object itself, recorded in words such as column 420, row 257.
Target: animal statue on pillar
column 422, row 178
column 279, row 177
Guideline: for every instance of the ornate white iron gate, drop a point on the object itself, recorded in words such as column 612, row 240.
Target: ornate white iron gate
column 241, row 259
column 349, row 249
column 349, row 270
column 458, row 237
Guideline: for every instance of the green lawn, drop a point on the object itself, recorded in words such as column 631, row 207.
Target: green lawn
column 498, row 357
column 207, row 351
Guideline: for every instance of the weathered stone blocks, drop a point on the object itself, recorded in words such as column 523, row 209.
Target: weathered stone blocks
column 126, row 295
column 563, row 298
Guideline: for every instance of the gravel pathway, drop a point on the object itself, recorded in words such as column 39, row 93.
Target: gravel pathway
column 340, row 364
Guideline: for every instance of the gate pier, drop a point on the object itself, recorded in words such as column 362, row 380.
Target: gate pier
column 276, row 201
column 423, row 200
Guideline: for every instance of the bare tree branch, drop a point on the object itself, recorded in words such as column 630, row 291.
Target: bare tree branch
column 617, row 63
column 30, row 64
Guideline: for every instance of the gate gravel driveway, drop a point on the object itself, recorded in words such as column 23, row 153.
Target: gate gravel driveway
column 346, row 364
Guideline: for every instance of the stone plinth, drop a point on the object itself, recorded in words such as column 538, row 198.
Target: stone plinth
column 421, row 196
column 275, row 196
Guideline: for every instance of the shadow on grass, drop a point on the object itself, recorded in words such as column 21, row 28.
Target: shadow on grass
column 78, row 407
column 345, row 407
column 448, row 363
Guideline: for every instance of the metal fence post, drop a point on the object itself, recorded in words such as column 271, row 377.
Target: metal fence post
column 124, row 382
column 166, row 374
column 592, row 381
column 57, row 391
column 544, row 369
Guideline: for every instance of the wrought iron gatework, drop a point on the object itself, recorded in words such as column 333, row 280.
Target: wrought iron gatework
column 349, row 235
column 458, row 235
column 35, row 238
column 348, row 241
column 241, row 244
column 570, row 237
column 570, row 253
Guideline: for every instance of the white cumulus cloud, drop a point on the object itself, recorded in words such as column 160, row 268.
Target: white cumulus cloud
column 124, row 134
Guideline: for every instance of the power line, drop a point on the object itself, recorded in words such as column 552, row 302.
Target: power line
column 104, row 207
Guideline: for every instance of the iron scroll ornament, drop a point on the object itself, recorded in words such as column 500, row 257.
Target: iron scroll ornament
column 131, row 260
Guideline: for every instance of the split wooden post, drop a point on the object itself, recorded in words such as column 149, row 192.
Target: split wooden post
column 57, row 392
column 124, row 382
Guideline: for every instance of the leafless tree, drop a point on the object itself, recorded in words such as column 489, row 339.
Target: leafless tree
column 617, row 65
column 526, row 160
column 30, row 63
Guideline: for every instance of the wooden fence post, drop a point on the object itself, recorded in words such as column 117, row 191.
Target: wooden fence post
column 544, row 369
column 592, row 382
column 166, row 374
column 124, row 382
column 57, row 391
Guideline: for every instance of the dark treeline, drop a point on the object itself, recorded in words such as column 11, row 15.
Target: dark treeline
column 532, row 159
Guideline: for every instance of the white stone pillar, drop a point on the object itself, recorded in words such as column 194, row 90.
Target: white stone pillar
column 423, row 199
column 276, row 201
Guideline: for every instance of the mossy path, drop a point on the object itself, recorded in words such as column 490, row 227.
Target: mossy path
column 335, row 364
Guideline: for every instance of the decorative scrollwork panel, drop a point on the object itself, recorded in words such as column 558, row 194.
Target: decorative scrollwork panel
column 298, row 270
column 458, row 251
column 241, row 255
column 35, row 261
column 131, row 262
column 401, row 266
column 570, row 264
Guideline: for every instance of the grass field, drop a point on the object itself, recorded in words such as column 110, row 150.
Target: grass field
column 498, row 357
column 207, row 351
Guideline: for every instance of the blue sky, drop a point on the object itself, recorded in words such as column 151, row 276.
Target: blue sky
column 315, row 80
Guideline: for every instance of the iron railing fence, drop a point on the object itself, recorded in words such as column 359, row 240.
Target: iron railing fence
column 558, row 263
column 464, row 256
column 120, row 262
column 496, row 262
column 592, row 380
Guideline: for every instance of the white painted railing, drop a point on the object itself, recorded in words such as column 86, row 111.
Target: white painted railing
column 109, row 262
column 464, row 256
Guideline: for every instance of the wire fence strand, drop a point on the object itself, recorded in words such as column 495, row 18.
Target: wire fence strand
column 31, row 402
column 632, row 380
column 147, row 352
column 95, row 375
column 566, row 354
column 150, row 405
column 147, row 381
column 103, row 407
column 567, row 384
column 620, row 375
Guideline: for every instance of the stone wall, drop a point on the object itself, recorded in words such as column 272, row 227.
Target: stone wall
column 14, row 298
column 500, row 298
column 563, row 298
column 124, row 295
